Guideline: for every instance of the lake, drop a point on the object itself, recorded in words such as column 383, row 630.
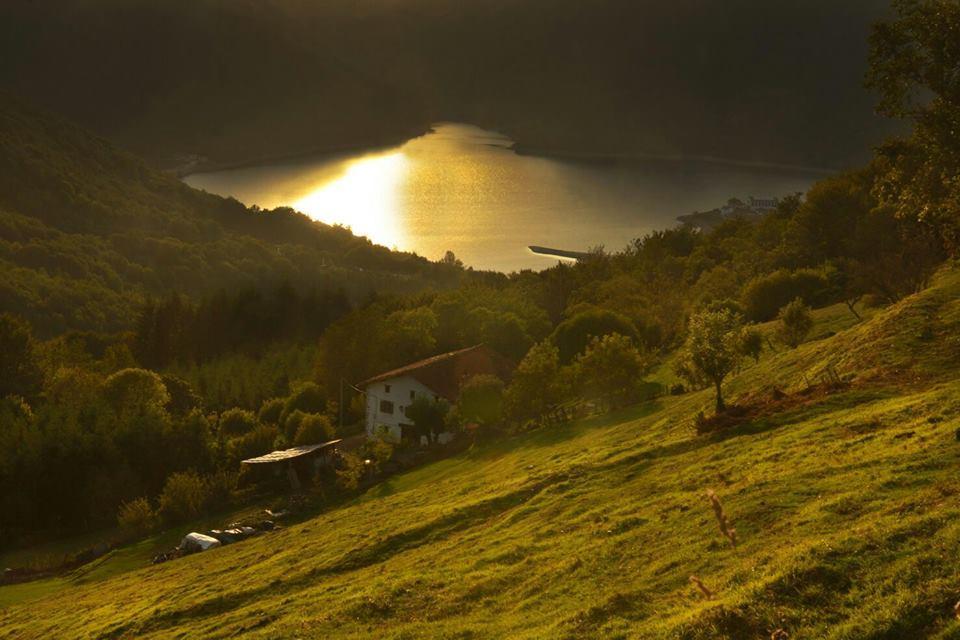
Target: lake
column 463, row 189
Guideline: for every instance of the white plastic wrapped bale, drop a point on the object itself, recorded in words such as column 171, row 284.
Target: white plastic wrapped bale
column 198, row 542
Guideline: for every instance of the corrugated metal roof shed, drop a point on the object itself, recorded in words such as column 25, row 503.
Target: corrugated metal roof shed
column 290, row 454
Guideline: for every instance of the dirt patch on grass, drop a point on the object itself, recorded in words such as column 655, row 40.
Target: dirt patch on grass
column 756, row 406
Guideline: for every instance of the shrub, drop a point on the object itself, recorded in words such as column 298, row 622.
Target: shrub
column 185, row 496
column 291, row 424
column 270, row 411
column 351, row 470
column 220, row 488
column 794, row 323
column 136, row 391
column 428, row 415
column 574, row 335
column 481, row 400
column 183, row 399
column 189, row 442
column 751, row 344
column 314, row 429
column 137, row 517
column 763, row 297
column 610, row 369
column 20, row 371
column 306, row 397
column 505, row 333
column 536, row 385
column 236, row 422
column 253, row 444
column 378, row 451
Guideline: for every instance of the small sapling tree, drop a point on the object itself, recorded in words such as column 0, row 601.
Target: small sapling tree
column 794, row 323
column 712, row 351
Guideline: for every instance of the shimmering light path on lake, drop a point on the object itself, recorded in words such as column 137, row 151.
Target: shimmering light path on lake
column 461, row 188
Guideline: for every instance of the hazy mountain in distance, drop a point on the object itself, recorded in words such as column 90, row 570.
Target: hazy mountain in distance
column 744, row 79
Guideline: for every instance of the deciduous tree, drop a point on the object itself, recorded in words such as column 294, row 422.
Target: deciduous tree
column 712, row 350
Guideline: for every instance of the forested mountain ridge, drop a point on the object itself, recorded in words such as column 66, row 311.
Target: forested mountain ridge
column 741, row 79
column 87, row 232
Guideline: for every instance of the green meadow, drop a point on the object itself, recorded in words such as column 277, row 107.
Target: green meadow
column 845, row 500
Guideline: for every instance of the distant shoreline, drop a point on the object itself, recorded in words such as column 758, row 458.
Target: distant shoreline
column 185, row 170
column 596, row 156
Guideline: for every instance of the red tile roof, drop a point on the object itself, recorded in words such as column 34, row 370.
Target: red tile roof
column 445, row 373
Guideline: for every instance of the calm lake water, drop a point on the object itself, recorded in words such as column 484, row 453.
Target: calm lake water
column 461, row 188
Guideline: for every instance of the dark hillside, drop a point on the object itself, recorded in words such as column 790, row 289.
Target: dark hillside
column 86, row 232
column 740, row 79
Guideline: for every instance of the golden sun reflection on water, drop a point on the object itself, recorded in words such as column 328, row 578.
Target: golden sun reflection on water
column 464, row 189
column 365, row 198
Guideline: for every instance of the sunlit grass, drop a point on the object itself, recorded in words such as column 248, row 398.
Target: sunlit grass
column 846, row 506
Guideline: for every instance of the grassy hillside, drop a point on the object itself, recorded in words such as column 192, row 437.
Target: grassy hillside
column 844, row 499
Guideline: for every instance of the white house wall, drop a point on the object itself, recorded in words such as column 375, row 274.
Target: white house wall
column 399, row 394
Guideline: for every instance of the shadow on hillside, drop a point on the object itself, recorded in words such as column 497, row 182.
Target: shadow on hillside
column 556, row 434
column 756, row 426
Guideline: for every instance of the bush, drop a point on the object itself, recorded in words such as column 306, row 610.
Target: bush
column 377, row 451
column 20, row 371
column 314, row 429
column 185, row 496
column 572, row 336
column 183, row 399
column 795, row 323
column 751, row 343
column 236, row 422
column 505, row 333
column 306, row 397
column 610, row 370
column 350, row 472
column 253, row 444
column 291, row 424
column 428, row 415
column 135, row 391
column 763, row 297
column 537, row 384
column 220, row 488
column 137, row 517
column 270, row 411
column 481, row 400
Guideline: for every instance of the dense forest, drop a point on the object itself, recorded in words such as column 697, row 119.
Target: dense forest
column 131, row 301
column 742, row 79
column 88, row 233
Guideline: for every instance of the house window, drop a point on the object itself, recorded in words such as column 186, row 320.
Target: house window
column 413, row 394
column 386, row 388
column 386, row 406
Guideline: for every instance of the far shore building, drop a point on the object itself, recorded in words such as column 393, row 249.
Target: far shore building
column 389, row 394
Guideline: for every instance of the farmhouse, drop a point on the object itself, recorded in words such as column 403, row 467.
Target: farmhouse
column 389, row 394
